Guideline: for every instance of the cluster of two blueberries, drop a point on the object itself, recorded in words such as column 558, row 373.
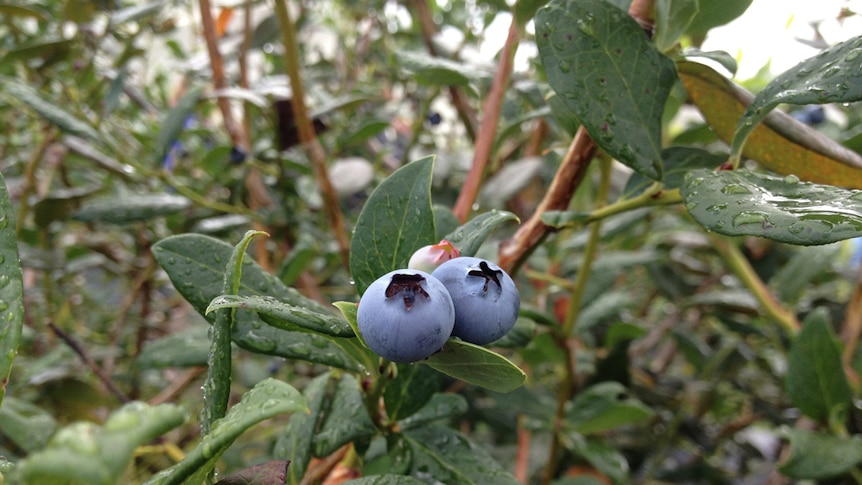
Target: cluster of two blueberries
column 407, row 315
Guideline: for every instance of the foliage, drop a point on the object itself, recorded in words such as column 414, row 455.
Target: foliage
column 183, row 245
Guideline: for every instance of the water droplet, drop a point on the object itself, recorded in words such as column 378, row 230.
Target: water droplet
column 716, row 208
column 3, row 222
column 585, row 27
column 735, row 189
column 751, row 217
column 856, row 196
column 853, row 54
column 565, row 66
column 791, row 179
column 4, row 281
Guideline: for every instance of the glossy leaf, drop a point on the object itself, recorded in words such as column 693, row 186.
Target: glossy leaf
column 285, row 316
column 11, row 289
column 743, row 203
column 216, row 388
column 713, row 13
column 410, row 390
column 678, row 161
column 832, row 76
column 83, row 452
column 195, row 264
column 443, row 455
column 269, row 473
column 347, row 419
column 477, row 365
column 440, row 406
column 296, row 442
column 815, row 455
column 780, row 143
column 131, row 208
column 468, row 238
column 816, row 383
column 267, row 399
column 396, row 221
column 609, row 74
column 47, row 108
column 604, row 406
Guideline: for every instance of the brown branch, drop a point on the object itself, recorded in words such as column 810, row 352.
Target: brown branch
column 568, row 177
column 177, row 385
column 487, row 130
column 89, row 362
column 307, row 136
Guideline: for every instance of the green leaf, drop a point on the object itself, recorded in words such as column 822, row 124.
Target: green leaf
column 602, row 407
column 440, row 406
column 608, row 73
column 832, row 76
column 396, row 221
column 285, row 316
column 678, row 161
column 606, row 459
column 131, row 208
column 86, row 454
column 195, row 264
column 269, row 473
column 816, row 383
column 50, row 109
column 134, row 13
column 347, row 419
column 267, row 399
column 743, row 203
column 174, row 122
column 27, row 425
column 713, row 13
column 11, row 289
column 216, row 388
column 477, row 365
column 295, row 443
column 12, row 10
column 815, row 456
column 188, row 348
column 469, row 237
column 672, row 19
column 806, row 264
column 411, row 389
column 385, row 480
column 428, row 69
column 443, row 455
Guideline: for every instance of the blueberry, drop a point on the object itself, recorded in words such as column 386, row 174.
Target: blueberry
column 486, row 300
column 406, row 315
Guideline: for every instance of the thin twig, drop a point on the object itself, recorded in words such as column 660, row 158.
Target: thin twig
column 307, row 136
column 488, row 128
column 89, row 362
column 177, row 385
column 568, row 177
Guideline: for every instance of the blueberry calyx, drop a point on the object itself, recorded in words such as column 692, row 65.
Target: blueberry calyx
column 407, row 285
column 489, row 274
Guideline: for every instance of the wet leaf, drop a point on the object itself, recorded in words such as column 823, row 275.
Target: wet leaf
column 477, row 365
column 195, row 264
column 443, row 455
column 600, row 455
column 672, row 19
column 269, row 473
column 396, row 221
column 188, row 348
column 267, row 399
column 411, row 389
column 385, row 480
column 440, row 406
column 678, row 161
column 285, row 316
column 131, row 208
column 832, row 76
column 608, row 73
column 50, row 109
column 604, row 406
column 816, row 383
column 743, row 203
column 346, row 420
column 11, row 289
column 780, row 143
column 434, row 70
column 83, row 452
column 469, row 237
column 816, row 455
column 25, row 424
column 174, row 122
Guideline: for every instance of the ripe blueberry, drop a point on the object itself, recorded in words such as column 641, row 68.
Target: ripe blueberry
column 405, row 315
column 485, row 298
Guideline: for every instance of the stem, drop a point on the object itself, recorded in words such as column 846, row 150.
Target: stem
column 89, row 362
column 653, row 196
column 307, row 136
column 568, row 177
column 569, row 384
column 487, row 130
column 736, row 261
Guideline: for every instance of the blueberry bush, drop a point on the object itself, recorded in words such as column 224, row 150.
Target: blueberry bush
column 325, row 242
